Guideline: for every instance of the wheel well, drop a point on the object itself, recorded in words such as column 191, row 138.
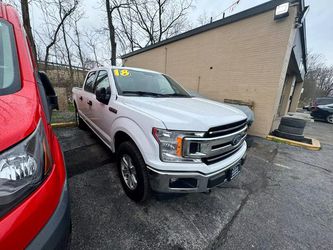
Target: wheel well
column 121, row 137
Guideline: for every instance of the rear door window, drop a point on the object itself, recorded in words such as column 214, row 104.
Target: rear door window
column 9, row 67
column 90, row 82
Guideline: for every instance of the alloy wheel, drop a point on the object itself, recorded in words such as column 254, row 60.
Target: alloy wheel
column 128, row 172
column 330, row 118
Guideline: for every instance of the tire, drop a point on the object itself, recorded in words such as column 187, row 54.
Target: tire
column 329, row 118
column 291, row 130
column 79, row 121
column 288, row 136
column 139, row 191
column 293, row 122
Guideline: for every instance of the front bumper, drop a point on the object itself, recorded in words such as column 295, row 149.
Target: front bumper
column 56, row 233
column 190, row 182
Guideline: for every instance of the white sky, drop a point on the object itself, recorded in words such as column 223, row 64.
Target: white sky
column 319, row 19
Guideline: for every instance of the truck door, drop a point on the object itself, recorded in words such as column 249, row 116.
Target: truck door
column 101, row 115
column 85, row 98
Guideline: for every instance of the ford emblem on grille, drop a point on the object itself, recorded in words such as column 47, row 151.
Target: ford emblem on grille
column 236, row 140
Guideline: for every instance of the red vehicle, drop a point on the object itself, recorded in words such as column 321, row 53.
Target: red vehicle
column 34, row 203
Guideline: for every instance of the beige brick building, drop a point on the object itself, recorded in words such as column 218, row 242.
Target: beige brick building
column 253, row 56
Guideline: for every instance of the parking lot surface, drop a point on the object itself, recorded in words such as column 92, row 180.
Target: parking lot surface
column 282, row 199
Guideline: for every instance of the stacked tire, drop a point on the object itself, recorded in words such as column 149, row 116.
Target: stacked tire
column 291, row 128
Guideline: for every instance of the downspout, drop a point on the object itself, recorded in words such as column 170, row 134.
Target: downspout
column 165, row 60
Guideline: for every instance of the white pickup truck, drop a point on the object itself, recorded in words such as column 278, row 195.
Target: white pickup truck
column 164, row 139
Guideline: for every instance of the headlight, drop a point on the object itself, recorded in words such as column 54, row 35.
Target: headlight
column 171, row 144
column 23, row 167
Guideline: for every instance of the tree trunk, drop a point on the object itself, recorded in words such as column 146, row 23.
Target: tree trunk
column 111, row 33
column 79, row 45
column 68, row 54
column 27, row 27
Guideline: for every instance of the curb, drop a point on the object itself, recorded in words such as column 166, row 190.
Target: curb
column 63, row 124
column 315, row 145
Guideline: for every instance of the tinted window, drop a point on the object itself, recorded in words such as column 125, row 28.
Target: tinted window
column 324, row 101
column 102, row 81
column 89, row 85
column 9, row 69
column 131, row 82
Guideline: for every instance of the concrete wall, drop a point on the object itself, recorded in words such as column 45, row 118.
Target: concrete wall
column 245, row 60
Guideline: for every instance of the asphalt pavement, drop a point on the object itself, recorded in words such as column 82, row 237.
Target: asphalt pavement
column 282, row 199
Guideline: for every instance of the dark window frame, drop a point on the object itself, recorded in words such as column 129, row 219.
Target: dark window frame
column 16, row 84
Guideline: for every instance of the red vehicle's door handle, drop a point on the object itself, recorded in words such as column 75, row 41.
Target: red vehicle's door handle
column 81, row 98
column 89, row 103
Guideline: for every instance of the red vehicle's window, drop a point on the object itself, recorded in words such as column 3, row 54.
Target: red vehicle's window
column 9, row 71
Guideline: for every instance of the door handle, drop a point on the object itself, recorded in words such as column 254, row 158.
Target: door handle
column 81, row 98
column 89, row 103
column 113, row 110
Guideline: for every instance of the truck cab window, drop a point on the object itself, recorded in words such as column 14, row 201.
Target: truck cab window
column 102, row 82
column 89, row 85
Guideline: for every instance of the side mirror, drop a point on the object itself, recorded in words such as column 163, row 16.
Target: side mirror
column 52, row 99
column 102, row 96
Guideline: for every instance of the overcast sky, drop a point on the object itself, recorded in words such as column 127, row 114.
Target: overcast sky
column 319, row 23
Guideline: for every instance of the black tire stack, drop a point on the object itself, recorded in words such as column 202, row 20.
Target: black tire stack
column 291, row 128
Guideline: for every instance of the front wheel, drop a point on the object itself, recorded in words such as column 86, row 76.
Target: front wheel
column 329, row 118
column 132, row 172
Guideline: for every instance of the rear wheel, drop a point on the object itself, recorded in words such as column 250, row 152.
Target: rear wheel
column 79, row 122
column 132, row 172
column 329, row 118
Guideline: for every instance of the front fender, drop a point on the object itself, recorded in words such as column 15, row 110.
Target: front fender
column 147, row 146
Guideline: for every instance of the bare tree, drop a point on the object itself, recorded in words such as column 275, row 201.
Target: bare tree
column 126, row 31
column 204, row 19
column 54, row 22
column 160, row 19
column 27, row 27
column 318, row 80
column 91, row 42
column 64, row 35
column 110, row 7
column 77, row 42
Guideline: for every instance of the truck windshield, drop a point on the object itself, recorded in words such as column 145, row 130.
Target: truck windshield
column 140, row 83
column 9, row 71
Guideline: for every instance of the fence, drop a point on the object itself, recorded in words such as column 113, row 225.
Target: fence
column 62, row 77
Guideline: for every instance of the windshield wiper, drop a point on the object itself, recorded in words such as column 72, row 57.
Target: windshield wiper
column 141, row 93
column 175, row 94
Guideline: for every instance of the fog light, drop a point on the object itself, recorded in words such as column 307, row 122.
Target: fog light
column 173, row 179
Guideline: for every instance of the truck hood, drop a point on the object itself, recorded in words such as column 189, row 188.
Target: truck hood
column 18, row 115
column 193, row 114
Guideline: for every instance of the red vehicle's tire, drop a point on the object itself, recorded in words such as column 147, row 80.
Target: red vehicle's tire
column 132, row 172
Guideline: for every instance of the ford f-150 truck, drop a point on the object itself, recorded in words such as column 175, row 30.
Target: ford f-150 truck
column 34, row 203
column 164, row 139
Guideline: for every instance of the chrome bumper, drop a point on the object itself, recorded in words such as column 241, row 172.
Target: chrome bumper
column 189, row 182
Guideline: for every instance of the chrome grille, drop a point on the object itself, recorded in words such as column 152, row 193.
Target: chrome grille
column 218, row 143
